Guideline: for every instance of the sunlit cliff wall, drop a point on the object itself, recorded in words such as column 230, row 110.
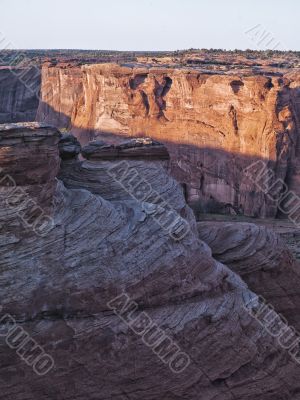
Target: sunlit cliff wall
column 214, row 125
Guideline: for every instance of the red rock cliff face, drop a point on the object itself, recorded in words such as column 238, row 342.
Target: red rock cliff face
column 214, row 125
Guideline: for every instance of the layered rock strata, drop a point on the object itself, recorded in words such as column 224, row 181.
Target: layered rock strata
column 69, row 147
column 60, row 288
column 29, row 161
column 115, row 171
column 261, row 258
column 139, row 148
column 214, row 125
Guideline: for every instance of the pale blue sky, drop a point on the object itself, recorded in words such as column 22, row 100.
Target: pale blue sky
column 149, row 24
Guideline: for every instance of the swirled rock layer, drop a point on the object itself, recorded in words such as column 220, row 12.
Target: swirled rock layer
column 59, row 288
column 261, row 258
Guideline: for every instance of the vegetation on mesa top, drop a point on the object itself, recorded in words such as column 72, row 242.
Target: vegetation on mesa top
column 37, row 57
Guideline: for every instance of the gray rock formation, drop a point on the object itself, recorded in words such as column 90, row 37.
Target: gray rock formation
column 261, row 258
column 138, row 148
column 69, row 147
column 66, row 289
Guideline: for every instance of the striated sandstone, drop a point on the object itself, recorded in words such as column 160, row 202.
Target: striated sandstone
column 58, row 287
column 261, row 258
column 139, row 148
column 29, row 159
column 115, row 171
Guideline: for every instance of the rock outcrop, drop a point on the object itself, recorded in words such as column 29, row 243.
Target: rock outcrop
column 69, row 147
column 29, row 161
column 261, row 258
column 64, row 288
column 119, row 173
column 214, row 125
column 140, row 148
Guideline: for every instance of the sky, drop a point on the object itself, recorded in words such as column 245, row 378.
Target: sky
column 149, row 24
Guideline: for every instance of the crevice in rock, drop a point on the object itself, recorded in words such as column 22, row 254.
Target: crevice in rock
column 236, row 85
column 145, row 101
column 137, row 80
column 233, row 115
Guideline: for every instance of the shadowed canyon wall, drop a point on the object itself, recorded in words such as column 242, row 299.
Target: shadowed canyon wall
column 213, row 125
column 19, row 94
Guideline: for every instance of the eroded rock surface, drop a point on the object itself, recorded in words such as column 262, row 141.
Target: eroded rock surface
column 69, row 147
column 58, row 287
column 214, row 125
column 29, row 159
column 115, row 171
column 261, row 258
column 139, row 148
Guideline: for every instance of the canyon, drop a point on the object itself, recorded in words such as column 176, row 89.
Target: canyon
column 145, row 246
column 216, row 118
column 213, row 125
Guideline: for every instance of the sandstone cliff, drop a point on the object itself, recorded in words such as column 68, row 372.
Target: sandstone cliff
column 104, row 243
column 214, row 125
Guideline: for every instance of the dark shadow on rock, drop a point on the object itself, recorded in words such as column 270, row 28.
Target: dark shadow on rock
column 213, row 179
